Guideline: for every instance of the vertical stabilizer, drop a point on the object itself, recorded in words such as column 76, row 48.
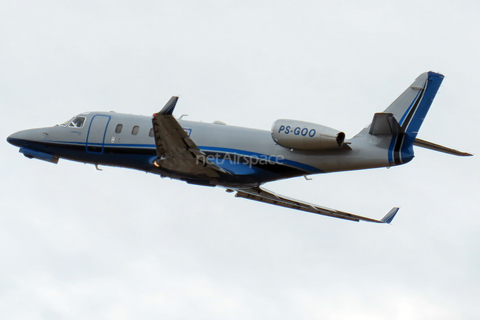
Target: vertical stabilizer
column 401, row 121
column 411, row 107
column 410, row 110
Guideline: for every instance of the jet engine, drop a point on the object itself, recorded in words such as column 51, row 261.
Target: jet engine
column 300, row 135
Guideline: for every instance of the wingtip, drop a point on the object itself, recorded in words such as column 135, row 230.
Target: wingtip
column 169, row 106
column 390, row 215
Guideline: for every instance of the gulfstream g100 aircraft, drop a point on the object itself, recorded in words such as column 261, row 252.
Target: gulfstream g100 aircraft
column 240, row 159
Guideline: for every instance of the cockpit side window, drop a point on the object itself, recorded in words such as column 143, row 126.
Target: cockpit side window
column 77, row 122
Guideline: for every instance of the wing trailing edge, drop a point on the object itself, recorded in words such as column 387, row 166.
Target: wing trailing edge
column 263, row 195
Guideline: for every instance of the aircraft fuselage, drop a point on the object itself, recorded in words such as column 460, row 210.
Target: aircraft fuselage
column 250, row 155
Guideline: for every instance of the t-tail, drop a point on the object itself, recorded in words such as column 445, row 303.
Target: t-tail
column 400, row 122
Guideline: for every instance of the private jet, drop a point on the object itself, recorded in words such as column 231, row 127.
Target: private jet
column 240, row 159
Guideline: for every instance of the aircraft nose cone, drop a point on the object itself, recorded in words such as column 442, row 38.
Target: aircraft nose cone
column 25, row 137
column 14, row 139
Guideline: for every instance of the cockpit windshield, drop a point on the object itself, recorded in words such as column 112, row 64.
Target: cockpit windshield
column 65, row 123
column 75, row 122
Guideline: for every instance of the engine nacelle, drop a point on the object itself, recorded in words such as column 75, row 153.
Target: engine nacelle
column 300, row 135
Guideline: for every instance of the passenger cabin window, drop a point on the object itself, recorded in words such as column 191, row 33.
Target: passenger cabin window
column 118, row 128
column 77, row 122
column 150, row 134
column 135, row 130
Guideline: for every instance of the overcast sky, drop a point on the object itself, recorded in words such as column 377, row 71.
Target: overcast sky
column 76, row 243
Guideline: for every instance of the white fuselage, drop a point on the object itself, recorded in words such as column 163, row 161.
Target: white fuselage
column 250, row 154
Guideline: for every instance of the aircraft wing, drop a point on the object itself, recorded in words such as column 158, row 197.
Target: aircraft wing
column 262, row 195
column 176, row 151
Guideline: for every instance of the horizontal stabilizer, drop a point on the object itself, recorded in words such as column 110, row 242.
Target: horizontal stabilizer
column 385, row 124
column 439, row 148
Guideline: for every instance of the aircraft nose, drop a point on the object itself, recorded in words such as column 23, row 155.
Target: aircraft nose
column 24, row 137
column 14, row 139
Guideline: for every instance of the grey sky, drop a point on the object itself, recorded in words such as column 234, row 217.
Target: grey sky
column 77, row 243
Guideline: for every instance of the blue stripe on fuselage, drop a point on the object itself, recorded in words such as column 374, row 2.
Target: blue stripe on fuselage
column 278, row 160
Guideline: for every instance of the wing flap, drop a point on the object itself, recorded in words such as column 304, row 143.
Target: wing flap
column 263, row 195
